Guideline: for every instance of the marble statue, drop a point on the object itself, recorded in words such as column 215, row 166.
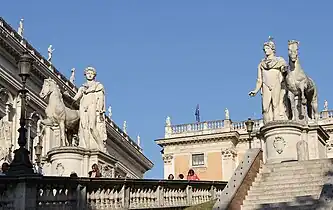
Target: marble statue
column 301, row 86
column 110, row 112
column 168, row 121
column 138, row 140
column 50, row 52
column 269, row 81
column 227, row 116
column 125, row 126
column 325, row 105
column 91, row 96
column 72, row 78
column 20, row 29
column 57, row 113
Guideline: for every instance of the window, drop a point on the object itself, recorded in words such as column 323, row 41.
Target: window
column 198, row 159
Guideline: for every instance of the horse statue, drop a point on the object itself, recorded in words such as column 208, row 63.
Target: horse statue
column 58, row 114
column 301, row 86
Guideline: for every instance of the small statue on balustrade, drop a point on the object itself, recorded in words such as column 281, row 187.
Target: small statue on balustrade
column 72, row 78
column 20, row 29
column 227, row 115
column 50, row 53
column 325, row 105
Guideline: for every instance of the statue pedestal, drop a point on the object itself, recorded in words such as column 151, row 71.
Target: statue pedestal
column 290, row 140
column 65, row 160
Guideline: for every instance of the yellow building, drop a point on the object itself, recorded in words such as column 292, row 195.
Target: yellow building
column 213, row 149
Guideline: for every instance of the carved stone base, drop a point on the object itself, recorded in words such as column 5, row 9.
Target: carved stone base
column 65, row 160
column 290, row 140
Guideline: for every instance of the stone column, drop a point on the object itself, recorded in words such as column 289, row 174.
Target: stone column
column 169, row 166
column 228, row 163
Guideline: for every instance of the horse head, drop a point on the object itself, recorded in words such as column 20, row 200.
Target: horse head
column 48, row 87
column 293, row 50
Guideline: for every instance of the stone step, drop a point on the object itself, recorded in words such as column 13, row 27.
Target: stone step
column 285, row 186
column 279, row 207
column 287, row 189
column 295, row 163
column 288, row 181
column 327, row 166
column 277, row 200
column 268, row 178
column 298, row 171
column 289, row 195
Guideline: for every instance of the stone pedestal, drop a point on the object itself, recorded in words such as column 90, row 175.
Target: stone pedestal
column 65, row 160
column 290, row 140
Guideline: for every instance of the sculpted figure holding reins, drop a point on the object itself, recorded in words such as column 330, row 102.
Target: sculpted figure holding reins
column 270, row 82
column 91, row 96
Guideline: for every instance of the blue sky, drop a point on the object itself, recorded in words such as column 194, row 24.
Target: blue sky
column 159, row 58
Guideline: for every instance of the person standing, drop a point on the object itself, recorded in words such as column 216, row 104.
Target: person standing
column 192, row 176
column 94, row 173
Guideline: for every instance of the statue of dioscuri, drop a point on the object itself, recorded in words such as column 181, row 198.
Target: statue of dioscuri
column 270, row 82
column 91, row 96
column 58, row 114
column 302, row 87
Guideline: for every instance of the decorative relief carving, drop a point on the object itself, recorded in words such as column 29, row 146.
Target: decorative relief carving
column 329, row 146
column 5, row 140
column 167, row 158
column 229, row 153
column 107, row 171
column 279, row 144
column 60, row 169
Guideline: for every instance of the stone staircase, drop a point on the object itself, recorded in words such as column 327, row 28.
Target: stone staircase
column 289, row 185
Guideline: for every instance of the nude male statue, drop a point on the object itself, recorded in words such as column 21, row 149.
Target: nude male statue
column 269, row 81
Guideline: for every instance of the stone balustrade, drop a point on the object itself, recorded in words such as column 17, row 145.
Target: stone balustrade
column 223, row 125
column 39, row 192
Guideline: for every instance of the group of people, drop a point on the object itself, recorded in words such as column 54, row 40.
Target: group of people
column 94, row 173
column 190, row 176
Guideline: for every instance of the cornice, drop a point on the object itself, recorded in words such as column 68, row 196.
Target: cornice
column 127, row 145
column 216, row 137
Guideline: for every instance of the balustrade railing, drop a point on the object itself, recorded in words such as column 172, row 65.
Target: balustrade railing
column 101, row 193
column 220, row 124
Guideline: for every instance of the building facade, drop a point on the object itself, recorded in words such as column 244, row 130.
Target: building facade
column 213, row 149
column 122, row 156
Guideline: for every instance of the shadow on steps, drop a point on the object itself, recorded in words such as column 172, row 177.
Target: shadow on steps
column 203, row 206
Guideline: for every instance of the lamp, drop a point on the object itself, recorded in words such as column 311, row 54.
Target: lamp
column 249, row 128
column 21, row 164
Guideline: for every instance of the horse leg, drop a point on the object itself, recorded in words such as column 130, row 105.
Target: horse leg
column 302, row 92
column 292, row 115
column 314, row 104
column 62, row 133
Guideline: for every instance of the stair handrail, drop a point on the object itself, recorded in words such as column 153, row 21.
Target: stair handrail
column 234, row 193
